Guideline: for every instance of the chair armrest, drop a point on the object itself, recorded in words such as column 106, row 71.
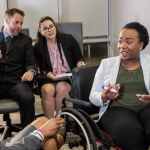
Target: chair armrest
column 77, row 101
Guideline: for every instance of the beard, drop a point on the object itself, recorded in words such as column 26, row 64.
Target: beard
column 12, row 31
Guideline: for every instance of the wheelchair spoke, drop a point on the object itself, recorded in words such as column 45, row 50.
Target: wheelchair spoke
column 78, row 136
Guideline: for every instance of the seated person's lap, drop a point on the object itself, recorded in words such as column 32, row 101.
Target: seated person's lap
column 123, row 124
column 13, row 90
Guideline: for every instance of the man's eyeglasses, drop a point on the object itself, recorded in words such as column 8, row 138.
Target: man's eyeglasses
column 46, row 29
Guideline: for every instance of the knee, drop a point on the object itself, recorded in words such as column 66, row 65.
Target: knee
column 62, row 90
column 48, row 92
column 27, row 98
column 50, row 144
column 43, row 120
column 39, row 122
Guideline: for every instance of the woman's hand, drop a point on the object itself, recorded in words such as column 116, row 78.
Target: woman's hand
column 59, row 78
column 108, row 95
column 144, row 98
column 53, row 77
column 80, row 63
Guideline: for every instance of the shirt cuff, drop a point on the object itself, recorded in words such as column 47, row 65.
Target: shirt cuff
column 106, row 103
column 32, row 71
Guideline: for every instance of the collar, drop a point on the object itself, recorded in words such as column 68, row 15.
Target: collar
column 5, row 35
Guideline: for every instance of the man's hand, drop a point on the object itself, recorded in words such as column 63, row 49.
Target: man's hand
column 28, row 76
column 52, row 126
column 144, row 98
column 0, row 54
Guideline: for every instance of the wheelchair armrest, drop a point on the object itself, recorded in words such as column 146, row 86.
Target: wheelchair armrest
column 77, row 101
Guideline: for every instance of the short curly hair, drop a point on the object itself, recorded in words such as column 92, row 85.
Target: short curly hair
column 142, row 31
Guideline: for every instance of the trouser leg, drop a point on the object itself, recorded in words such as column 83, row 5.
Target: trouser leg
column 22, row 93
column 144, row 116
column 125, row 128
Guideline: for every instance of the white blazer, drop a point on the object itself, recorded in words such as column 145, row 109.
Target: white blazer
column 107, row 73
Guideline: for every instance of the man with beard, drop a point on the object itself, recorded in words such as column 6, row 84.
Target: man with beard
column 17, row 65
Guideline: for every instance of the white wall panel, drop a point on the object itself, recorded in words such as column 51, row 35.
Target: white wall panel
column 34, row 9
column 92, row 13
column 125, row 11
column 3, row 7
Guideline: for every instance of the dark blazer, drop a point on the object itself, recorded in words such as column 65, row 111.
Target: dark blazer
column 19, row 58
column 70, row 48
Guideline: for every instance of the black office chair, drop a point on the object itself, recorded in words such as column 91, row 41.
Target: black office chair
column 25, row 31
column 8, row 106
column 73, row 28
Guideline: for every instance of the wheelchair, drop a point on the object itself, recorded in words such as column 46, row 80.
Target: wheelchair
column 80, row 134
column 81, row 124
column 81, row 130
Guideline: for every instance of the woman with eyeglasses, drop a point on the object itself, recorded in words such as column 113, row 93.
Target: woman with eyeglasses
column 56, row 54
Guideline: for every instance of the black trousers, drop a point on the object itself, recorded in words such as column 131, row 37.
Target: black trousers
column 23, row 94
column 129, row 130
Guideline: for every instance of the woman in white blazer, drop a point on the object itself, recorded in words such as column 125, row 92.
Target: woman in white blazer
column 125, row 114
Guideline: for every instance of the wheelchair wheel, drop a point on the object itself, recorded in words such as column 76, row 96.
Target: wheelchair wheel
column 79, row 133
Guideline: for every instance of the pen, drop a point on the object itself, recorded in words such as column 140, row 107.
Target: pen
column 112, row 90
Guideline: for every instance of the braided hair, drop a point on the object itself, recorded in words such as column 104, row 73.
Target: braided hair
column 142, row 31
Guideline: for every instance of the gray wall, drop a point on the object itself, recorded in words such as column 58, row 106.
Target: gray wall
column 34, row 10
column 3, row 7
column 92, row 13
column 125, row 11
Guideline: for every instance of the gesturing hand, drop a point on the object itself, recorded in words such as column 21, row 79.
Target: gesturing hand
column 108, row 95
column 28, row 76
column 52, row 126
column 144, row 98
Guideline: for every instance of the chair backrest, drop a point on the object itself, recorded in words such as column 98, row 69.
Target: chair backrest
column 82, row 83
column 73, row 28
column 25, row 31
